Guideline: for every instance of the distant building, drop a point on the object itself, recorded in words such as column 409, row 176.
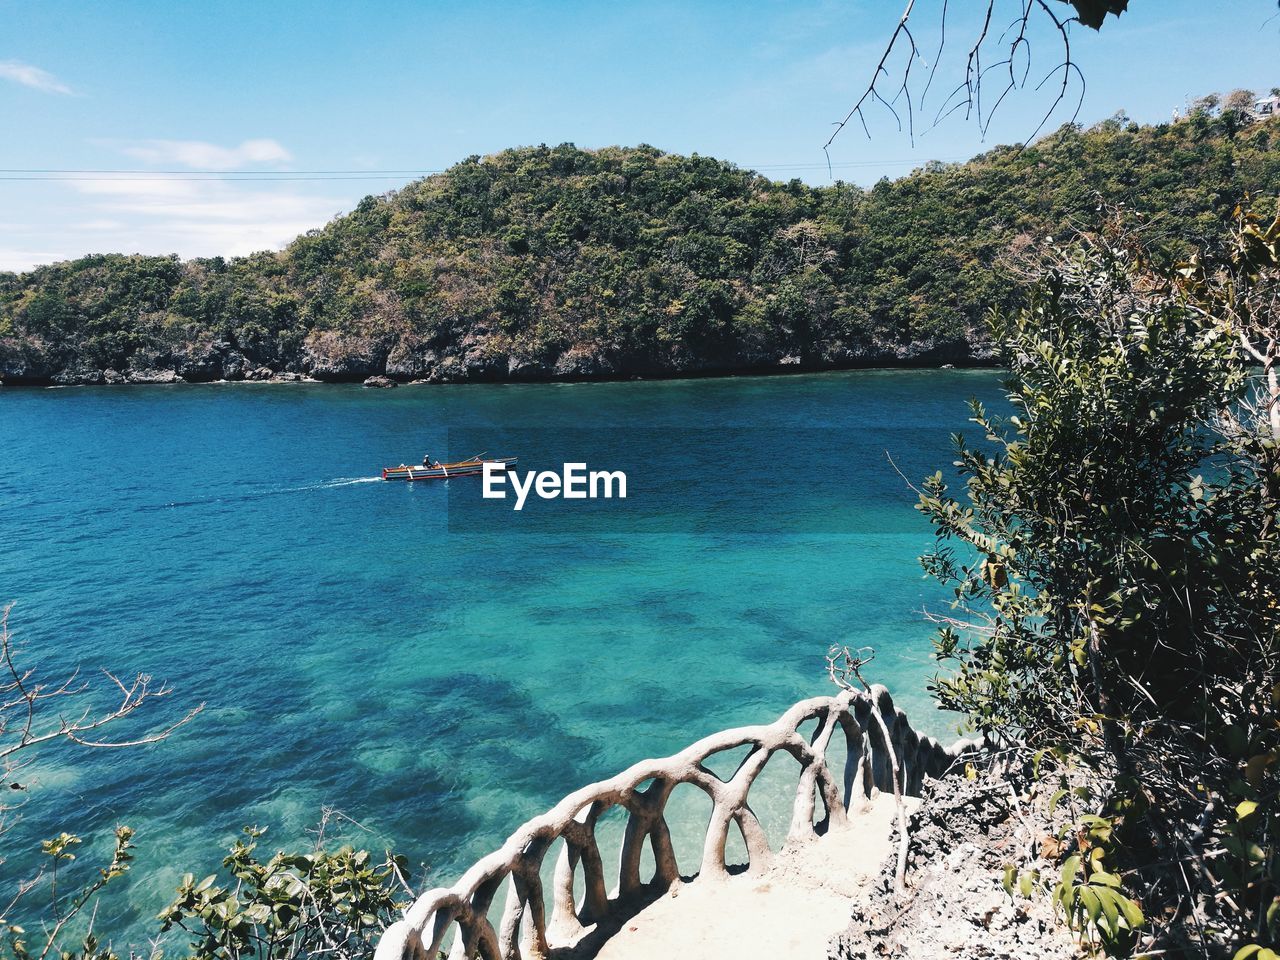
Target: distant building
column 1267, row 107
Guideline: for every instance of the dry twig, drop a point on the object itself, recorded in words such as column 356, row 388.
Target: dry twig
column 841, row 665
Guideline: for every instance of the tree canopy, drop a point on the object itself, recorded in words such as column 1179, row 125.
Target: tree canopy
column 557, row 262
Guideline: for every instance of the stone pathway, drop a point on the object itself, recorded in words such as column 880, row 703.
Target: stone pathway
column 792, row 910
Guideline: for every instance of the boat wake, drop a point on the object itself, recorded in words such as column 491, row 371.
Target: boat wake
column 344, row 482
column 264, row 494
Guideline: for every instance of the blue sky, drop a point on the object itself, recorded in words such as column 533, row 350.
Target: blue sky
column 278, row 88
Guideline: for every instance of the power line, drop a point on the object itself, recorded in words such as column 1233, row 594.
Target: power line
column 238, row 176
column 222, row 173
column 75, row 175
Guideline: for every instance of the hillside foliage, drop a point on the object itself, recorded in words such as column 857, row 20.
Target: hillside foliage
column 1115, row 561
column 555, row 262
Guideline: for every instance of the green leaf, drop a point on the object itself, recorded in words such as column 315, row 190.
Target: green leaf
column 1105, row 879
column 1132, row 913
column 1026, row 880
column 1070, row 868
column 1090, row 903
column 1110, row 909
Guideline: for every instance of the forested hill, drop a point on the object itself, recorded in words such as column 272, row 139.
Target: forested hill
column 548, row 263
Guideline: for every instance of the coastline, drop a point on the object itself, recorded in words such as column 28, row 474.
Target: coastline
column 288, row 377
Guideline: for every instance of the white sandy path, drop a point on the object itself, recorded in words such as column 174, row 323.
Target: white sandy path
column 791, row 910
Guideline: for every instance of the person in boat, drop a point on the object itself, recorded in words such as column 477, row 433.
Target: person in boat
column 429, row 463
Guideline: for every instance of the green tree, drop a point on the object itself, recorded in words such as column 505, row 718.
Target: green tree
column 630, row 261
column 319, row 903
column 1116, row 567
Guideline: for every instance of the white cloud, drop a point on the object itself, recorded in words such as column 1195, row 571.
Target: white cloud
column 160, row 213
column 33, row 77
column 200, row 155
column 151, row 188
column 216, row 201
column 197, row 217
column 18, row 259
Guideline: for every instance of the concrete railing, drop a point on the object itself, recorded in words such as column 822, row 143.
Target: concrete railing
column 579, row 924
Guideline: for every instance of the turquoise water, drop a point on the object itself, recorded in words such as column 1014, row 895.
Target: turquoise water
column 435, row 673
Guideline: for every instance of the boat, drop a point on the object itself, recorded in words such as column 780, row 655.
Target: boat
column 471, row 467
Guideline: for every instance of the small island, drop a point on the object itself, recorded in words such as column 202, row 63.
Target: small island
column 557, row 263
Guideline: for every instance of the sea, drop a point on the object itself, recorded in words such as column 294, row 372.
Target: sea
column 426, row 665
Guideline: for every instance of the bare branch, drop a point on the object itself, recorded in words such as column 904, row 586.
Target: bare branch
column 29, row 718
column 1015, row 42
column 30, row 694
column 871, row 90
column 841, row 665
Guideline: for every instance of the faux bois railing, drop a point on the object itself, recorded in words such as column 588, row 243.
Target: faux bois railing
column 578, row 924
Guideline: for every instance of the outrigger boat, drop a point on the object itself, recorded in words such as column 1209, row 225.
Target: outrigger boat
column 445, row 471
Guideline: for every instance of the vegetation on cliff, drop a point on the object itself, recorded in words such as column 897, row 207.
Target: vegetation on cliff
column 1115, row 556
column 545, row 263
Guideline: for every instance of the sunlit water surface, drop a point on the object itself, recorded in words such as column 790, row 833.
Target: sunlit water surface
column 438, row 685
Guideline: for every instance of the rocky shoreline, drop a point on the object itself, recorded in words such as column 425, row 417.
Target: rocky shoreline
column 963, row 836
column 325, row 359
